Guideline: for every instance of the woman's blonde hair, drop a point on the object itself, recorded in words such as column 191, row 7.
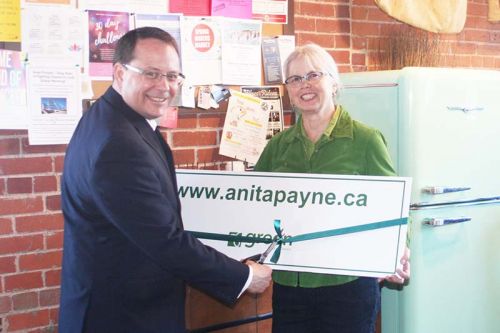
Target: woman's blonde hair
column 320, row 59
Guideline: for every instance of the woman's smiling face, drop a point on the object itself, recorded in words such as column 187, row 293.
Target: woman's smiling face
column 313, row 95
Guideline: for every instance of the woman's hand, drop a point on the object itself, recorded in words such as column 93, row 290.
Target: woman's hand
column 402, row 273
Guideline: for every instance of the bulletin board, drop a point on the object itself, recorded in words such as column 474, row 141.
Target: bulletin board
column 99, row 87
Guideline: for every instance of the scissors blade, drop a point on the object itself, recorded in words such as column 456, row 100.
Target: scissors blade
column 264, row 254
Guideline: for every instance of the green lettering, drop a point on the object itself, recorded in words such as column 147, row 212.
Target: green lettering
column 244, row 192
column 233, row 243
column 268, row 196
column 362, row 198
column 230, row 194
column 292, row 197
column 303, row 198
column 330, row 198
column 317, row 195
column 257, row 198
column 250, row 234
column 279, row 197
column 348, row 199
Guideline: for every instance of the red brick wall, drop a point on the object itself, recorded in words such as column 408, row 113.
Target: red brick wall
column 30, row 218
column 352, row 30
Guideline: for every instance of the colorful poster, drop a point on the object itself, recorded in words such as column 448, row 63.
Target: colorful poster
column 10, row 21
column 232, row 8
column 245, row 127
column 188, row 7
column 13, row 110
column 271, row 96
column 270, row 11
column 53, row 36
column 105, row 29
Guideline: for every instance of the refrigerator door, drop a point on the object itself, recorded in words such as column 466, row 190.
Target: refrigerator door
column 449, row 125
column 455, row 283
column 448, row 134
column 446, row 140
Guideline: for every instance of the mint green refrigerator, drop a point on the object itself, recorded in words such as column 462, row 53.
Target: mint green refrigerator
column 443, row 129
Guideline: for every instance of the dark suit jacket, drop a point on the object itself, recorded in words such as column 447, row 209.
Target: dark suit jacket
column 126, row 256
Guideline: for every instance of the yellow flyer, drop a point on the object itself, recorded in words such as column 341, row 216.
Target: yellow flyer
column 10, row 21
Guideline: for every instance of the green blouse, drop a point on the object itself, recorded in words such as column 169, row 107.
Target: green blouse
column 346, row 147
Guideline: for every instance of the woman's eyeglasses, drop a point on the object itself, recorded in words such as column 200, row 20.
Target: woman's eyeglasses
column 296, row 80
column 172, row 77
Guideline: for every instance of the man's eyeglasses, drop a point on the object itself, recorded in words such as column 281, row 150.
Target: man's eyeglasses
column 296, row 80
column 172, row 77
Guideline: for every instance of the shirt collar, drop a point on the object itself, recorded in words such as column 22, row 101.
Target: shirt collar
column 340, row 125
column 333, row 121
column 152, row 123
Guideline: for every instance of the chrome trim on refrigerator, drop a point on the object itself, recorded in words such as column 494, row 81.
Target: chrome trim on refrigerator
column 477, row 201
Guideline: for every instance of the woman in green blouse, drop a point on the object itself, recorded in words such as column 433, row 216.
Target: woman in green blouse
column 324, row 140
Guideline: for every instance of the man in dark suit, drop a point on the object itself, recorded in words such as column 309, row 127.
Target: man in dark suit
column 126, row 256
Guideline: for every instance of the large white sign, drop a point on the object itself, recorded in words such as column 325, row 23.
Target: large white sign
column 247, row 204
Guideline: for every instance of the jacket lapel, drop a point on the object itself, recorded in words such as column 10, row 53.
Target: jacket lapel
column 137, row 121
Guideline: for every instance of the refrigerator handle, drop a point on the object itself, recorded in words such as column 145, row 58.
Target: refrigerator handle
column 443, row 189
column 437, row 222
column 465, row 109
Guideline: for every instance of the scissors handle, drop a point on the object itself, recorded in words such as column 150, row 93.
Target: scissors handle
column 255, row 257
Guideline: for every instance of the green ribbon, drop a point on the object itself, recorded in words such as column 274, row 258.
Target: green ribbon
column 280, row 239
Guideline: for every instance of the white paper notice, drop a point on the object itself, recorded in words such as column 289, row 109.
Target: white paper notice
column 54, row 104
column 245, row 127
column 53, row 36
column 201, row 50
column 241, row 51
column 286, row 45
column 168, row 22
column 270, row 11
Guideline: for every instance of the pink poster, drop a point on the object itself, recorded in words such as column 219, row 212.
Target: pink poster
column 105, row 28
column 232, row 8
column 190, row 7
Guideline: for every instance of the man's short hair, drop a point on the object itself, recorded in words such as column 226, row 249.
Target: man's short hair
column 124, row 51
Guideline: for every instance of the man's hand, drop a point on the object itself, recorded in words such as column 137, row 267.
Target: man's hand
column 261, row 277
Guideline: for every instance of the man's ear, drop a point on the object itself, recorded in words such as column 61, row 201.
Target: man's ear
column 118, row 73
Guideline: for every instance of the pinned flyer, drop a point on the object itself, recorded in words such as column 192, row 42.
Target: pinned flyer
column 245, row 127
